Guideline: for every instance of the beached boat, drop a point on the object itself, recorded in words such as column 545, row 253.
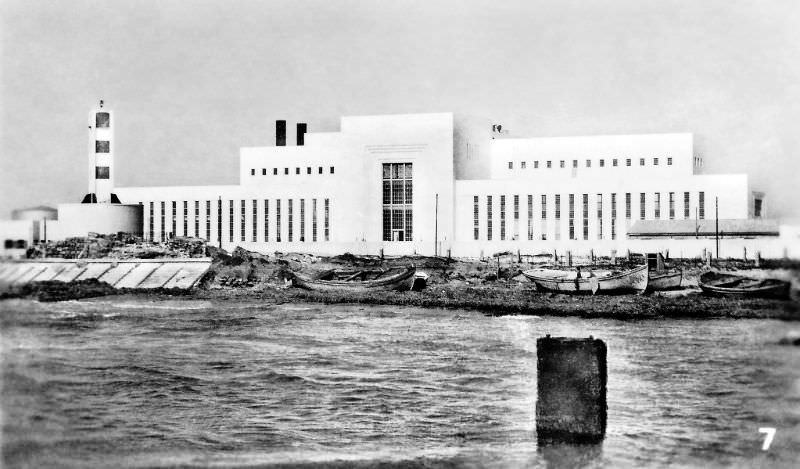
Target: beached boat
column 719, row 284
column 574, row 281
column 355, row 281
column 666, row 280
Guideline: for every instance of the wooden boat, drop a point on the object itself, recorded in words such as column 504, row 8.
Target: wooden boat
column 355, row 281
column 568, row 281
column 666, row 280
column 719, row 284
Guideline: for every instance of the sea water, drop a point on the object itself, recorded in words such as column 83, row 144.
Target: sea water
column 135, row 382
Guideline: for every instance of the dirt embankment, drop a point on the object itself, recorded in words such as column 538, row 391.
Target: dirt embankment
column 493, row 285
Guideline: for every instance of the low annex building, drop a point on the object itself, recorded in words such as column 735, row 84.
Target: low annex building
column 429, row 184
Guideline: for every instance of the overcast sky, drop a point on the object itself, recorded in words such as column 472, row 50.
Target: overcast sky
column 191, row 82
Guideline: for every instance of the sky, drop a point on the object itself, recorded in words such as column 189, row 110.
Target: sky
column 193, row 81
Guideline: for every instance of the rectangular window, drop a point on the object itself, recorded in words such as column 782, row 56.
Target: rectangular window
column 544, row 217
column 502, row 218
column 266, row 220
column 398, row 191
column 219, row 220
column 263, row 171
column 296, row 170
column 320, row 170
column 274, row 171
column 102, row 172
column 641, row 206
column 302, row 220
column 255, row 223
column 278, row 220
column 522, row 164
column 627, row 162
column 602, row 163
column 290, row 214
column 286, row 171
column 757, row 204
column 186, row 218
column 613, row 215
column 510, row 165
column 628, row 205
column 102, row 146
column 701, row 202
column 196, row 218
column 558, row 217
column 230, row 220
column 101, row 120
column 331, row 169
column 327, row 220
column 571, row 207
column 549, row 164
column 163, row 225
column 657, row 204
column 655, row 161
column 516, row 217
column 252, row 171
column 614, row 162
column 242, row 220
column 208, row 220
column 686, row 205
column 669, row 161
column 599, row 216
column 535, row 164
column 574, row 163
column 488, row 217
column 588, row 163
column 308, row 170
column 585, row 216
column 475, row 218
column 151, row 231
column 641, row 161
column 530, row 217
column 561, row 164
column 174, row 219
column 314, row 220
column 671, row 205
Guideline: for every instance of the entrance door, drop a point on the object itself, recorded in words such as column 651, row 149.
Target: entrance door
column 397, row 235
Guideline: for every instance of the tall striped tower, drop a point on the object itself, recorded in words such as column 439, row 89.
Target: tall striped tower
column 101, row 156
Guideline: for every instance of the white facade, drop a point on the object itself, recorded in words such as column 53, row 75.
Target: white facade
column 78, row 220
column 374, row 186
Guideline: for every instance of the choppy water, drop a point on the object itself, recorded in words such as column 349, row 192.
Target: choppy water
column 108, row 383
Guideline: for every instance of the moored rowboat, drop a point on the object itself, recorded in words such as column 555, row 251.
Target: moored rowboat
column 634, row 280
column 664, row 280
column 719, row 284
column 355, row 281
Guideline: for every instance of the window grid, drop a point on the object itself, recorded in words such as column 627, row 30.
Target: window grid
column 488, row 217
column 255, row 217
column 530, row 217
column 599, row 216
column 558, row 217
column 266, row 220
column 671, row 205
column 163, row 209
column 186, row 218
column 208, row 220
column 686, row 205
column 314, row 220
column 230, row 220
column 290, row 219
column 641, row 206
column 151, row 231
column 571, row 207
column 628, row 205
column 277, row 220
column 327, row 224
column 174, row 219
column 398, row 191
column 242, row 221
column 502, row 218
column 302, row 220
column 585, row 216
column 196, row 218
column 613, row 215
column 475, row 218
column 657, row 203
column 701, row 203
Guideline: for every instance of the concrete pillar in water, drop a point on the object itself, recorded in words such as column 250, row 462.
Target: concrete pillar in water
column 571, row 399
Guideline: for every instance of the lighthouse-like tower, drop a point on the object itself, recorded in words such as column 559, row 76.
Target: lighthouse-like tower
column 101, row 156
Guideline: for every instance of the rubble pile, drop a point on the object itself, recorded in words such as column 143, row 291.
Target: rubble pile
column 120, row 246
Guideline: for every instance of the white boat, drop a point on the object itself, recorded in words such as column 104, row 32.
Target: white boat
column 577, row 282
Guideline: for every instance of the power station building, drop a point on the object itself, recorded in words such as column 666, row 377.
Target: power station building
column 430, row 184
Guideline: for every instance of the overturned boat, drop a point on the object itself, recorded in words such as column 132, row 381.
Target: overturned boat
column 573, row 281
column 719, row 284
column 358, row 280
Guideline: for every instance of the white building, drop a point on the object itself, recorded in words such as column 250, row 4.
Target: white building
column 424, row 184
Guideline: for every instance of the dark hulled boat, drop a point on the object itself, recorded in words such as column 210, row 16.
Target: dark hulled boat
column 360, row 280
column 719, row 284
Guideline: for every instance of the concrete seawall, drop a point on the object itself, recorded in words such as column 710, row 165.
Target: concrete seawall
column 119, row 273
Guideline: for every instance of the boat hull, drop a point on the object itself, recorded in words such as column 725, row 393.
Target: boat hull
column 664, row 281
column 714, row 284
column 401, row 281
column 631, row 281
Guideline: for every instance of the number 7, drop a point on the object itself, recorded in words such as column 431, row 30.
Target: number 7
column 770, row 431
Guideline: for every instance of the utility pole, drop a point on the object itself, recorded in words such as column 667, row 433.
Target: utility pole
column 219, row 221
column 436, row 229
column 716, row 222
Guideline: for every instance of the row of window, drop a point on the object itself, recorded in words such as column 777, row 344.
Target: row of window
column 656, row 199
column 601, row 163
column 286, row 171
column 258, row 208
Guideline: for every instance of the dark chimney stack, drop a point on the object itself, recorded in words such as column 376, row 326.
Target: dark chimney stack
column 301, row 133
column 280, row 133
